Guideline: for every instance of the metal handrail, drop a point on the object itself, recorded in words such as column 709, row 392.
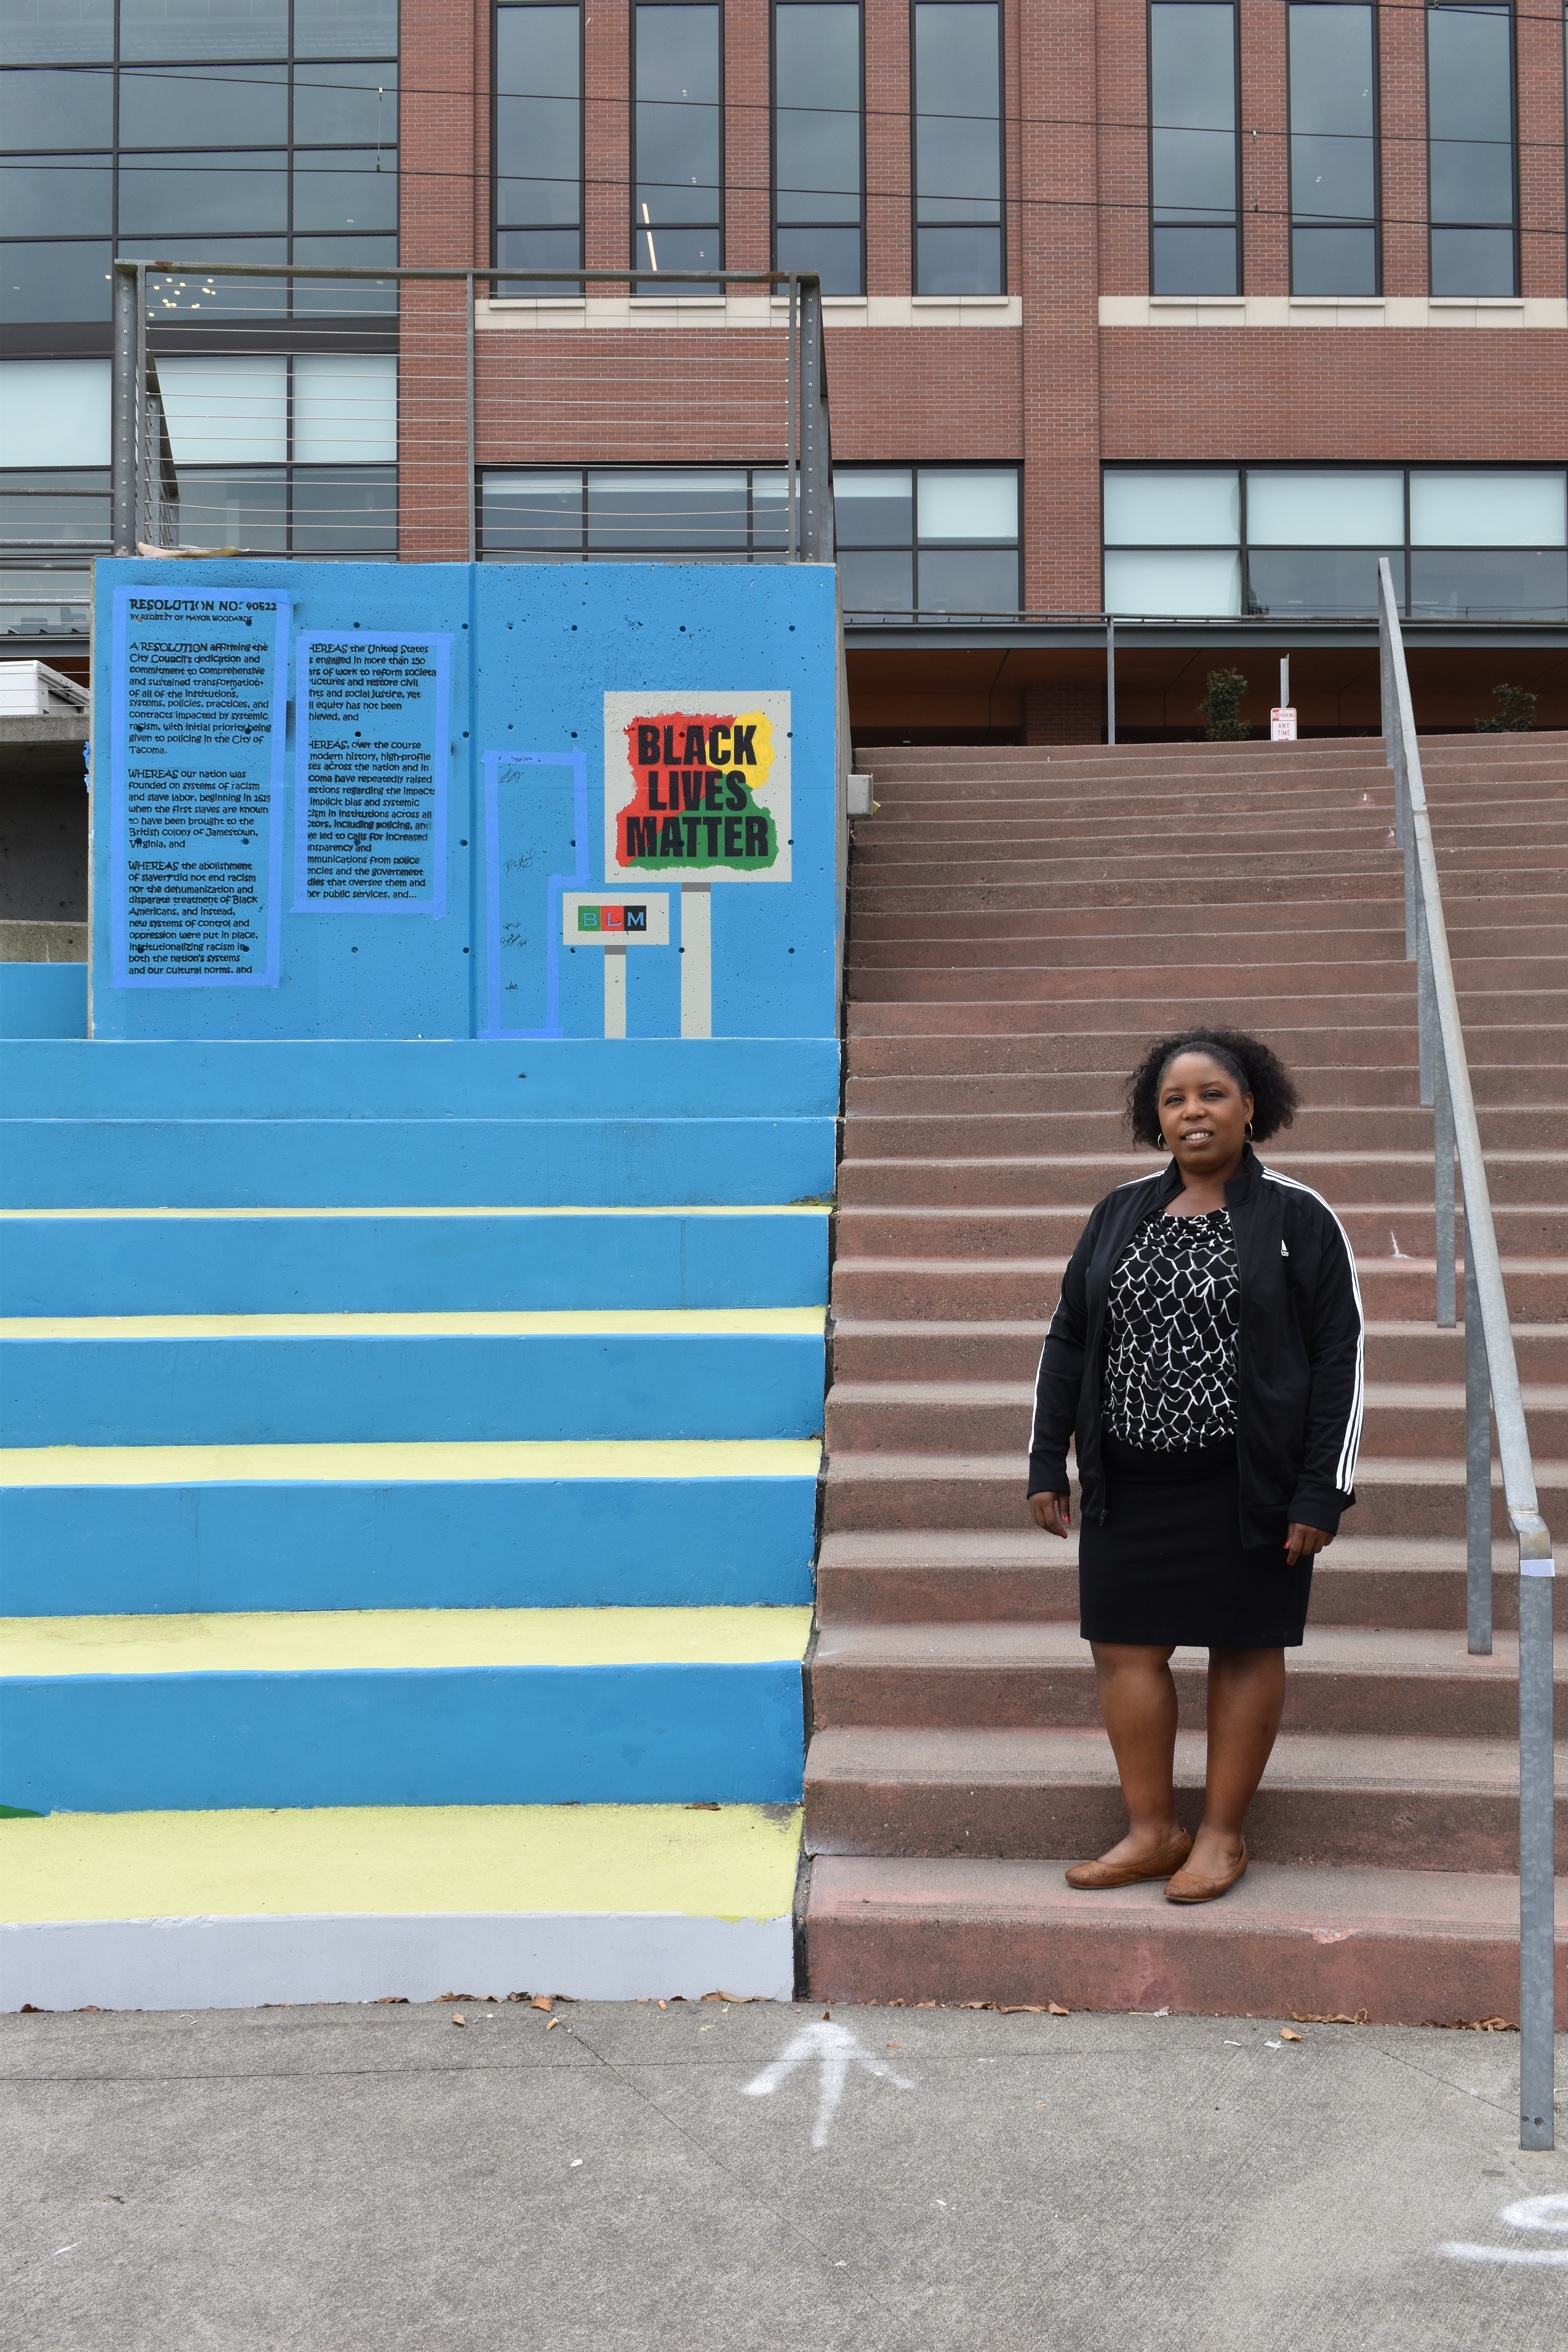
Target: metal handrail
column 1491, row 1377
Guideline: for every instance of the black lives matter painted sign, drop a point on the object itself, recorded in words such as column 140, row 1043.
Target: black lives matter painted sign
column 198, row 721
column 371, row 757
column 697, row 787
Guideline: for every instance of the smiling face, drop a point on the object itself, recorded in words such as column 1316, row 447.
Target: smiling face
column 1203, row 1117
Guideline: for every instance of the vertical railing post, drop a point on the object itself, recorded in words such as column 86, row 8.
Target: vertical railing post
column 1478, row 1470
column 1426, row 1006
column 1537, row 1809
column 792, row 419
column 1443, row 1196
column 1111, row 678
column 816, row 489
column 126, row 394
column 473, row 479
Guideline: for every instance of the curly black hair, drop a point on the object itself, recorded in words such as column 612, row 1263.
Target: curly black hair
column 1256, row 1067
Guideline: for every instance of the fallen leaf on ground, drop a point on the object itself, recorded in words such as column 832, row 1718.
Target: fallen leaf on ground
column 1055, row 2009
column 544, row 2000
column 1286, row 2034
column 1024, row 2008
column 457, row 2017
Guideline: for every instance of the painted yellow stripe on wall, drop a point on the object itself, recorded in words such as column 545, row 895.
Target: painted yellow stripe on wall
column 733, row 1864
column 558, row 1209
column 457, row 1460
column 338, row 1640
column 652, row 1322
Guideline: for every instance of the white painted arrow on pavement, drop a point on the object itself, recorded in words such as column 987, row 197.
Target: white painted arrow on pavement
column 838, row 2051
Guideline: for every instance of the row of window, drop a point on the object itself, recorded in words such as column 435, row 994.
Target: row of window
column 263, row 133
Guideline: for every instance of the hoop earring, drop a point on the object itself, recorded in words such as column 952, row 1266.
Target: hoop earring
column 1249, row 1135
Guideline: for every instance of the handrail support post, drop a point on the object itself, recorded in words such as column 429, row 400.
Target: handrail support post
column 1443, row 1201
column 1477, row 1472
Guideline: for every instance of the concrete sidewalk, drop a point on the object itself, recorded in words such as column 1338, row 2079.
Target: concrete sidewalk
column 335, row 2179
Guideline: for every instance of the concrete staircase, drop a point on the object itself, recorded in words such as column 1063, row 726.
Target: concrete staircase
column 1021, row 924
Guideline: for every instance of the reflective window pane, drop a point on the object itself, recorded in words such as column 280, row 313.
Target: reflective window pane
column 46, row 284
column 57, row 109
column 539, row 122
column 57, row 32
column 967, row 504
column 204, row 28
column 40, row 600
column 1172, row 509
column 1333, row 261
column 816, row 120
column 677, row 115
column 345, row 106
column 1333, row 152
column 1477, row 262
column 68, row 507
column 345, row 28
column 958, row 147
column 234, row 105
column 1191, row 146
column 1305, row 508
column 344, row 511
column 1470, row 150
column 770, row 510
column 881, row 582
column 246, row 301
column 55, row 412
column 697, row 508
column 176, row 197
column 968, row 580
column 56, row 196
column 1487, row 584
column 834, row 253
column 1488, row 510
column 537, row 248
column 873, row 510
column 234, row 510
column 1196, row 261
column 529, row 511
column 345, row 188
column 231, row 409
column 1329, row 581
column 346, row 408
column 1182, row 583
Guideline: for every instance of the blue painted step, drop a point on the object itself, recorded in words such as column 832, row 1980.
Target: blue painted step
column 247, row 1390
column 43, row 1000
column 366, row 1263
column 405, row 1527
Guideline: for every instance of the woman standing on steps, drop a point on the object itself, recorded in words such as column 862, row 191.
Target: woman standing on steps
column 1206, row 1358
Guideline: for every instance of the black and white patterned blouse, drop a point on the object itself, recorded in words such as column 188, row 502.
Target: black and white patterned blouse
column 1170, row 1373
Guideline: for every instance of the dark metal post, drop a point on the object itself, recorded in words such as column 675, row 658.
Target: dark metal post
column 473, row 479
column 1478, row 1470
column 793, row 419
column 1111, row 678
column 126, row 395
column 816, row 485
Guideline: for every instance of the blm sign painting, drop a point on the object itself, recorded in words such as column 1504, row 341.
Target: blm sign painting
column 697, row 786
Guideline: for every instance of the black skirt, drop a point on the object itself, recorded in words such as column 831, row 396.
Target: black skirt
column 1168, row 1566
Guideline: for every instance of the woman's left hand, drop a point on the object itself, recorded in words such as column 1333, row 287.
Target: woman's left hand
column 1301, row 1542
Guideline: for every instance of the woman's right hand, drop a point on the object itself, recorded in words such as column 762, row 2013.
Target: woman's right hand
column 1051, row 1512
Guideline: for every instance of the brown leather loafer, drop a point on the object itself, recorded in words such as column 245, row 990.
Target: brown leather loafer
column 1131, row 1873
column 1184, row 1888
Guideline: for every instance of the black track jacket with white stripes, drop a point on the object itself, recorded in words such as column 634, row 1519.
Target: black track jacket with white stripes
column 1299, row 1383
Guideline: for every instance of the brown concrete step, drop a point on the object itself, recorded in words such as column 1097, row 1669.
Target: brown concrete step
column 954, row 945
column 1303, row 1029
column 1421, row 1421
column 1539, row 1229
column 1513, row 1178
column 1023, row 979
column 1356, row 1799
column 987, row 1290
column 932, row 1137
column 996, row 1677
column 1105, row 889
column 1415, row 1947
column 932, row 1575
column 1400, row 1496
column 1099, row 1082
column 1326, row 922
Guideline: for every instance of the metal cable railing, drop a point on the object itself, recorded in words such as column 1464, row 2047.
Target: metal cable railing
column 1491, row 1380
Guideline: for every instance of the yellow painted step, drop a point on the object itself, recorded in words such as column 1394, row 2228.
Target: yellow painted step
column 438, row 1461
column 737, row 1863
column 653, row 1322
column 336, row 1641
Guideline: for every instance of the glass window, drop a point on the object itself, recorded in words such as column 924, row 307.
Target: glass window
column 38, row 108
column 227, row 410
column 46, row 284
column 968, row 504
column 1313, row 510
column 345, row 106
column 592, row 514
column 678, row 132
column 67, row 506
column 342, row 510
column 345, row 28
column 204, row 28
column 57, row 32
column 1470, row 154
column 817, row 177
column 1333, row 149
column 1185, row 582
column 873, row 510
column 175, row 198
column 958, row 147
column 1152, row 509
column 539, row 142
column 345, row 188
column 1193, row 160
column 235, row 106
column 58, row 195
column 1490, row 583
column 346, row 408
column 1329, row 581
column 55, row 412
column 1488, row 510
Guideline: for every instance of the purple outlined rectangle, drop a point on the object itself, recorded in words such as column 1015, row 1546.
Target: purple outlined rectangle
column 253, row 766
column 576, row 880
column 392, row 743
